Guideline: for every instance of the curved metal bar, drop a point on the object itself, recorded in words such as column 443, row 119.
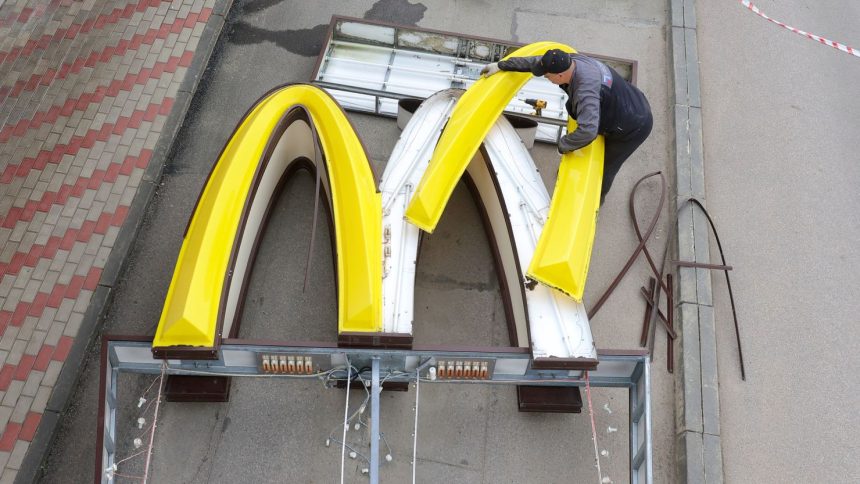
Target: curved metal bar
column 639, row 247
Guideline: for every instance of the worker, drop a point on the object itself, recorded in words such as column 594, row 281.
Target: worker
column 599, row 99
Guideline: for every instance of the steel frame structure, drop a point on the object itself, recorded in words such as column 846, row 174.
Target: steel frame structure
column 468, row 63
column 617, row 368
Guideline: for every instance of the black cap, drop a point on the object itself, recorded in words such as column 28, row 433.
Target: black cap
column 554, row 61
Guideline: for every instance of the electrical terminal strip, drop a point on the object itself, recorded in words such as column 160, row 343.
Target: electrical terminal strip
column 463, row 369
column 287, row 364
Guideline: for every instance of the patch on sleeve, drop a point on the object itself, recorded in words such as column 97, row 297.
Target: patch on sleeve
column 606, row 75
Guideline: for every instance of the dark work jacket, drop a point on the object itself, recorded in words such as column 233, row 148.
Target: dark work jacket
column 599, row 99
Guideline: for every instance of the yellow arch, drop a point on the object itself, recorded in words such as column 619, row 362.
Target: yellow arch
column 564, row 249
column 197, row 295
column 474, row 114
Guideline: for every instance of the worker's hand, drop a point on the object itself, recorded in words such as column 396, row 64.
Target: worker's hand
column 490, row 69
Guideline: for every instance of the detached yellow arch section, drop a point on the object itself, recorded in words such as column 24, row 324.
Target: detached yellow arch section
column 298, row 123
column 563, row 252
column 564, row 249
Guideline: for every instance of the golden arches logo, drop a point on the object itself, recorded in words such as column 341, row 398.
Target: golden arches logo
column 303, row 124
column 294, row 124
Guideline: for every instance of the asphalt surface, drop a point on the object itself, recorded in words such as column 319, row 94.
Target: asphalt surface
column 275, row 431
column 780, row 129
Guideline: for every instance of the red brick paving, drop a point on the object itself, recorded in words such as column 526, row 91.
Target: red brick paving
column 28, row 428
column 38, row 188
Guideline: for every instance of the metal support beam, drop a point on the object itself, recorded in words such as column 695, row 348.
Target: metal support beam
column 504, row 366
column 375, row 389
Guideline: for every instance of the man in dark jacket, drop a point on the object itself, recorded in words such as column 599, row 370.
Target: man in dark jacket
column 599, row 99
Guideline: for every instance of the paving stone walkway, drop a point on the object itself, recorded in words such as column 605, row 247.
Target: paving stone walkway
column 85, row 89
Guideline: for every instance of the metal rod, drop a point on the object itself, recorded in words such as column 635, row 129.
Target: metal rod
column 394, row 95
column 728, row 284
column 649, row 454
column 701, row 265
column 663, row 318
column 642, row 241
column 593, row 429
column 415, row 428
column 154, row 424
column 374, row 421
column 643, row 338
column 345, row 421
column 670, row 309
column 633, row 430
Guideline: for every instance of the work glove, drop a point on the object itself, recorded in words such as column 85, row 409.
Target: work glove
column 490, row 69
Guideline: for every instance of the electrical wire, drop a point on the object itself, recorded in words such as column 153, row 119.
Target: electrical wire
column 593, row 428
column 415, row 428
column 154, row 424
column 345, row 422
column 184, row 371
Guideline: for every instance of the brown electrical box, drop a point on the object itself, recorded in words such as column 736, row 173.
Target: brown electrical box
column 549, row 399
column 184, row 388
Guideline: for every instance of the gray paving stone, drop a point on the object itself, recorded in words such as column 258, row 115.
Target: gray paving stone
column 12, row 302
column 41, row 399
column 74, row 258
column 687, row 285
column 5, row 415
column 697, row 158
column 102, row 257
column 8, row 338
column 22, row 279
column 27, row 240
column 31, row 290
column 6, row 281
column 65, row 309
column 19, row 230
column 13, row 392
column 75, row 321
column 40, row 272
column 59, row 261
column 85, row 264
column 31, row 386
column 17, row 349
column 17, row 456
column 85, row 204
column 694, row 94
column 689, row 408
column 54, row 333
column 691, row 458
column 9, row 475
column 46, row 318
column 676, row 9
column 702, row 240
column 51, row 373
column 50, row 278
column 94, row 244
column 8, row 251
column 21, row 408
column 103, row 192
column 110, row 236
column 36, row 340
column 26, row 333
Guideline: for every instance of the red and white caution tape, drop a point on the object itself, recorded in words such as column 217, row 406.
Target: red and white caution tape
column 836, row 45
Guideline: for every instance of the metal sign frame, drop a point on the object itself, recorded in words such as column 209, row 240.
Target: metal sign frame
column 617, row 369
column 469, row 53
